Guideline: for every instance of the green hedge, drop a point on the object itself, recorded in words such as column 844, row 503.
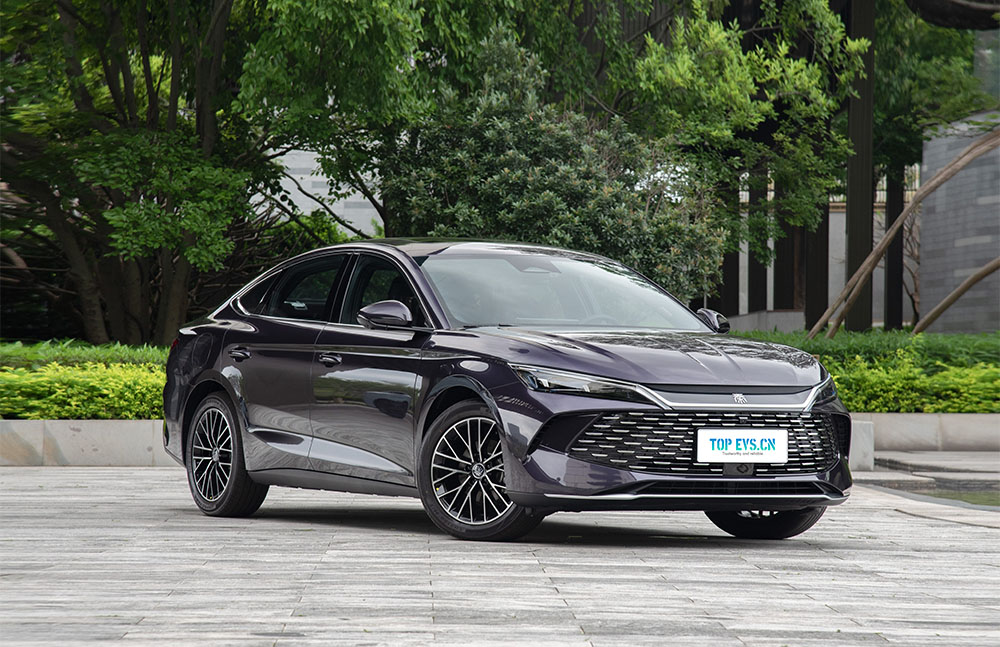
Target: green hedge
column 885, row 372
column 72, row 352
column 933, row 352
column 86, row 391
column 901, row 385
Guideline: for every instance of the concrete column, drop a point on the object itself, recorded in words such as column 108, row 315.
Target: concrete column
column 860, row 197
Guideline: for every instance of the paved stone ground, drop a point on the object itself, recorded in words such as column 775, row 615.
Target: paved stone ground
column 121, row 554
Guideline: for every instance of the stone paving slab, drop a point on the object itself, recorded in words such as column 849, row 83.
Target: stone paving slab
column 121, row 555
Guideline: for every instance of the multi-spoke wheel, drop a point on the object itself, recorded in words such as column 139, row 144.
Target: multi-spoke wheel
column 212, row 454
column 467, row 472
column 766, row 524
column 461, row 477
column 218, row 479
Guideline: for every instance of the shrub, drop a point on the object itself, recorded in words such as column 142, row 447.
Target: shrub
column 71, row 352
column 87, row 391
column 898, row 384
column 932, row 352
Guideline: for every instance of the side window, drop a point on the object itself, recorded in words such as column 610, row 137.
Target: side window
column 304, row 291
column 253, row 300
column 377, row 279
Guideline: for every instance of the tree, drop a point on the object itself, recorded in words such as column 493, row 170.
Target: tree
column 498, row 163
column 752, row 99
column 122, row 140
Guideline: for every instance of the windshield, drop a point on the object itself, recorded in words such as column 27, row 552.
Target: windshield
column 532, row 289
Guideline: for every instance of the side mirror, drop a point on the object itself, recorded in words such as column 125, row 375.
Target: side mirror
column 715, row 321
column 385, row 314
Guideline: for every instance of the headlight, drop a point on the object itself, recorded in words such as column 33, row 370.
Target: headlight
column 827, row 392
column 552, row 381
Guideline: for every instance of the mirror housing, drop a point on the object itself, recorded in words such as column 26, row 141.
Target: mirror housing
column 385, row 314
column 715, row 321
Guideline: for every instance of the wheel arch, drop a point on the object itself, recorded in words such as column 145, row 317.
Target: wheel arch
column 449, row 392
column 205, row 388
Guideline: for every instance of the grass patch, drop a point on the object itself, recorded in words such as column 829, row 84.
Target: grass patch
column 977, row 497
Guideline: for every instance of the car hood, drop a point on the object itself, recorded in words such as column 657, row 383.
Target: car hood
column 661, row 357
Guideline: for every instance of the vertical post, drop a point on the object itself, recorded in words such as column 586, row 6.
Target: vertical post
column 860, row 198
column 728, row 300
column 818, row 268
column 894, row 188
column 784, row 269
column 756, row 270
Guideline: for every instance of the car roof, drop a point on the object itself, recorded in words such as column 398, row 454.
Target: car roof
column 423, row 247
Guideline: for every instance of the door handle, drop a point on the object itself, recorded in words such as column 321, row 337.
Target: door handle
column 330, row 359
column 239, row 353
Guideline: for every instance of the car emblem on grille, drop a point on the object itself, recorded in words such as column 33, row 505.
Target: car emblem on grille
column 739, row 398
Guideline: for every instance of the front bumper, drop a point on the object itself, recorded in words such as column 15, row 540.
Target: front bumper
column 554, row 475
column 552, row 481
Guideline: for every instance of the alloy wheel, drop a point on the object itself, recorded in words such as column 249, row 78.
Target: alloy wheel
column 212, row 454
column 467, row 472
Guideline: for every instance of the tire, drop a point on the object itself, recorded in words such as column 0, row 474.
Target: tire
column 219, row 487
column 766, row 524
column 460, row 477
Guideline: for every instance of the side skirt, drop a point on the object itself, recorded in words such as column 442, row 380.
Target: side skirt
column 310, row 480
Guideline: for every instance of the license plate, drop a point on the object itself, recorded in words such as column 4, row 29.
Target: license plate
column 742, row 445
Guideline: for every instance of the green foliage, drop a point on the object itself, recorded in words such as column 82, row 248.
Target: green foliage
column 899, row 372
column 88, row 391
column 899, row 384
column 71, row 352
column 318, row 66
column 500, row 164
column 180, row 200
column 753, row 102
column 929, row 351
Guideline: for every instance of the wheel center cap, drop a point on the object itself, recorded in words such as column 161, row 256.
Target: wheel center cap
column 215, row 455
column 478, row 470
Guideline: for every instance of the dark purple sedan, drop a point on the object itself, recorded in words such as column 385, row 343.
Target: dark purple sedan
column 499, row 383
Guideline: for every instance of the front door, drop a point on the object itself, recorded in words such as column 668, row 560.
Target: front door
column 364, row 382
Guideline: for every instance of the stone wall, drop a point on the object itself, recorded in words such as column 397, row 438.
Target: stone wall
column 960, row 232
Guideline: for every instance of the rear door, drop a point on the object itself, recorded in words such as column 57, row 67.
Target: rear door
column 270, row 357
column 364, row 381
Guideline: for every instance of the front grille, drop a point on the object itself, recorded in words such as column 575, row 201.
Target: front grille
column 664, row 442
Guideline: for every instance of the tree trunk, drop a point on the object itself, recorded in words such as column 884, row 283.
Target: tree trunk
column 976, row 277
column 172, row 309
column 82, row 274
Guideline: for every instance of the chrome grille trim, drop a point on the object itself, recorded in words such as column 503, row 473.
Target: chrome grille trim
column 664, row 442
